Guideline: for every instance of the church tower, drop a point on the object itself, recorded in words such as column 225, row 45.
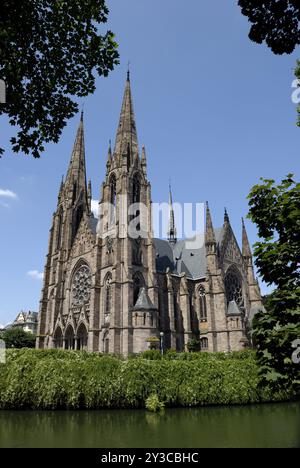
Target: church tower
column 128, row 255
column 110, row 287
column 74, row 204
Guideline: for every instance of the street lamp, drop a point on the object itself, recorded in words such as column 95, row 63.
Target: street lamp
column 161, row 343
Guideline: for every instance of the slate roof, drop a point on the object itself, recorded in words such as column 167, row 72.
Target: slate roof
column 186, row 256
column 233, row 309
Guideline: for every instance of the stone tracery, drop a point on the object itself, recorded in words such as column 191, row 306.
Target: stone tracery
column 81, row 286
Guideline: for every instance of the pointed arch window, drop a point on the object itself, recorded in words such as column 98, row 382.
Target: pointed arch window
column 108, row 296
column 58, row 338
column 234, row 288
column 128, row 157
column 136, row 189
column 113, row 198
column 59, row 229
column 204, row 344
column 82, row 337
column 77, row 216
column 176, row 315
column 113, row 190
column 203, row 308
column 136, row 198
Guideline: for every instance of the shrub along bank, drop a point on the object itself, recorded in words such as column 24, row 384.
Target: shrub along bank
column 54, row 379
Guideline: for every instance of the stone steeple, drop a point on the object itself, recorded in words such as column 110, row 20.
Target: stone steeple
column 126, row 140
column 77, row 169
column 254, row 290
column 245, row 242
column 226, row 217
column 210, row 239
column 172, row 232
column 210, row 244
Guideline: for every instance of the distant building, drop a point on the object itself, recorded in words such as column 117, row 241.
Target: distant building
column 26, row 320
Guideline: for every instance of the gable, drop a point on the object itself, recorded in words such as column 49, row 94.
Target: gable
column 84, row 240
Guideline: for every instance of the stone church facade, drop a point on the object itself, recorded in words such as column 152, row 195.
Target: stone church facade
column 108, row 291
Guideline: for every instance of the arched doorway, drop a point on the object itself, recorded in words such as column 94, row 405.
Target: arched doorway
column 70, row 338
column 82, row 337
column 58, row 339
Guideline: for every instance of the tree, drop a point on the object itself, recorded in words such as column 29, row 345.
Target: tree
column 16, row 337
column 274, row 21
column 276, row 212
column 50, row 51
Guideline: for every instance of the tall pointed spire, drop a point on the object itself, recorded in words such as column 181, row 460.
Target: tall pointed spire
column 77, row 170
column 226, row 217
column 209, row 231
column 126, row 134
column 246, row 244
column 172, row 233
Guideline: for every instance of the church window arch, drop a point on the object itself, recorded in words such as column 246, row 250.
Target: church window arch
column 77, row 217
column 113, row 198
column 82, row 337
column 106, row 342
column 234, row 287
column 136, row 198
column 203, row 306
column 204, row 344
column 70, row 338
column 136, row 189
column 113, row 190
column 58, row 338
column 59, row 229
column 107, row 297
column 128, row 157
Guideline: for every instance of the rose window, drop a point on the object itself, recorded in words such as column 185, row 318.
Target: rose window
column 81, row 287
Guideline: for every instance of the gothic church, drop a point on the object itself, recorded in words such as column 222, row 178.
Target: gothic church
column 111, row 293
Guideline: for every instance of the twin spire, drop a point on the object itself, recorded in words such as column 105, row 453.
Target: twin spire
column 126, row 133
column 76, row 175
column 127, row 141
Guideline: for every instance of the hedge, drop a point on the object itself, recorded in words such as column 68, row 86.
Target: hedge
column 55, row 379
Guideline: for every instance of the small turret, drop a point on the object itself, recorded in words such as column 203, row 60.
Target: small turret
column 172, row 232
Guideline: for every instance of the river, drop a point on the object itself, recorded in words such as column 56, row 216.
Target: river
column 273, row 425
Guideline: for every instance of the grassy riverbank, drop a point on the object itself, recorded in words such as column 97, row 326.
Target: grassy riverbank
column 54, row 379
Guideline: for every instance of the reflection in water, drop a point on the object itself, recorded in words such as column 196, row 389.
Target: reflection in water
column 274, row 425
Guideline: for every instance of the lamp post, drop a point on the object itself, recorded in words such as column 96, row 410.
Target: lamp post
column 161, row 343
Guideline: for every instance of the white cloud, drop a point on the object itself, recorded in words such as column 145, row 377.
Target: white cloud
column 95, row 204
column 8, row 194
column 34, row 274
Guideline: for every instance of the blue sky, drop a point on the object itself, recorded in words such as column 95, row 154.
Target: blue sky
column 213, row 109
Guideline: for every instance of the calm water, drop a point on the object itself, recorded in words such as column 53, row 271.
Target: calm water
column 275, row 425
